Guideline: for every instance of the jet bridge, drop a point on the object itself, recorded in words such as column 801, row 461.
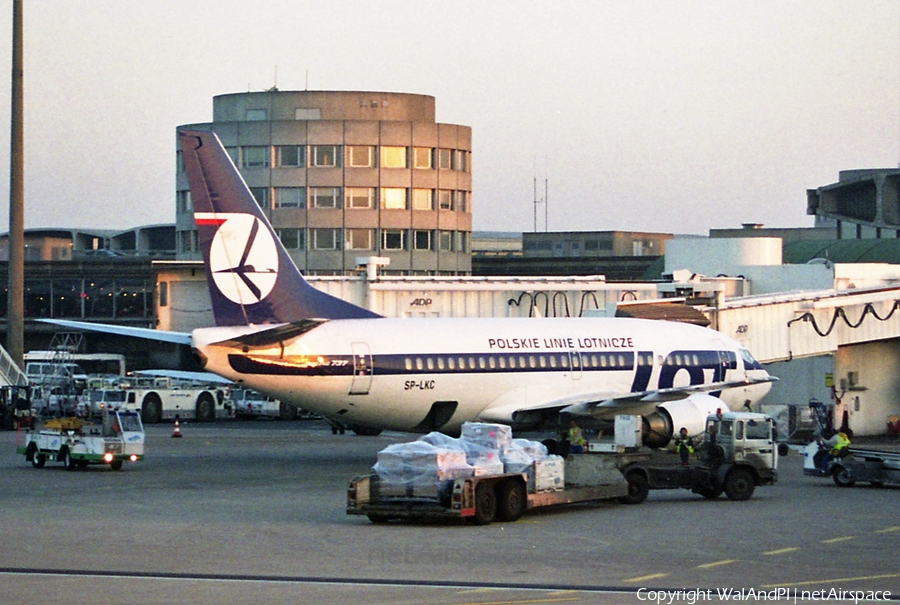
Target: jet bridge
column 858, row 328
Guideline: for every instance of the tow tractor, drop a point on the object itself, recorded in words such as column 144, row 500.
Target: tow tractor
column 77, row 443
column 856, row 464
column 739, row 453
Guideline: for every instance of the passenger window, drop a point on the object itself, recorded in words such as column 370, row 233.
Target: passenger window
column 492, row 362
column 419, row 365
column 430, row 363
column 409, row 364
column 553, row 361
column 451, row 363
column 481, row 363
column 739, row 430
column 440, row 363
column 522, row 362
column 543, row 361
column 502, row 361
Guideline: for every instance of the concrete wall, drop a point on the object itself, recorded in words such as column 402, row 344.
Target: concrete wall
column 876, row 393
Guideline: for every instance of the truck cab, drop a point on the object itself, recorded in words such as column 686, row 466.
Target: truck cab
column 743, row 438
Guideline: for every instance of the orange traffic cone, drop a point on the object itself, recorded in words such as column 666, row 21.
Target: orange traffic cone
column 177, row 431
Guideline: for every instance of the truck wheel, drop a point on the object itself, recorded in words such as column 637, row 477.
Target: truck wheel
column 378, row 518
column 485, row 504
column 739, row 485
column 151, row 409
column 511, row 500
column 38, row 460
column 286, row 412
column 67, row 461
column 116, row 465
column 206, row 408
column 638, row 488
column 842, row 477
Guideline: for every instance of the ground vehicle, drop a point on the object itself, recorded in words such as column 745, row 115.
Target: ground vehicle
column 874, row 466
column 162, row 398
column 120, row 437
column 739, row 454
column 248, row 403
column 95, row 400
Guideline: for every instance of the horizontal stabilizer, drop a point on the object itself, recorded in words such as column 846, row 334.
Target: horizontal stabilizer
column 181, row 338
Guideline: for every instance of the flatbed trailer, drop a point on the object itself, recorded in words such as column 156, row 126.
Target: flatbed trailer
column 741, row 454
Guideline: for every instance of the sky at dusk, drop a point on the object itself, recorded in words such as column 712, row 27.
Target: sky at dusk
column 677, row 116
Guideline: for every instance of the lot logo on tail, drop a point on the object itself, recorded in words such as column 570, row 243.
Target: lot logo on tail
column 243, row 257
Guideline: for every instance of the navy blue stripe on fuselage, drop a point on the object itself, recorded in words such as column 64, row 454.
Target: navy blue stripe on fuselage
column 694, row 362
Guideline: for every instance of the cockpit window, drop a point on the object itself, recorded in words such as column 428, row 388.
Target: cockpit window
column 749, row 362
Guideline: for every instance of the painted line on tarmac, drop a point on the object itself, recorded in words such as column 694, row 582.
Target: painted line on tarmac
column 782, row 551
column 653, row 576
column 833, row 581
column 718, row 563
column 888, row 530
column 840, row 539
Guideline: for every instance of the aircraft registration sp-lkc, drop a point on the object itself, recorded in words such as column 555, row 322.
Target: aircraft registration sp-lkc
column 280, row 336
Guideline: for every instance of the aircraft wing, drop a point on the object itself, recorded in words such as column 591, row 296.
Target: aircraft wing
column 607, row 405
column 181, row 338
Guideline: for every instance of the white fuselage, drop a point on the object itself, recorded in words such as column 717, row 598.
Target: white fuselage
column 391, row 373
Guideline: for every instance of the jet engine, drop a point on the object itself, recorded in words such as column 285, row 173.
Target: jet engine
column 668, row 418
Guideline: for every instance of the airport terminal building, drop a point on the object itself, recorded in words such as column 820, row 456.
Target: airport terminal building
column 344, row 175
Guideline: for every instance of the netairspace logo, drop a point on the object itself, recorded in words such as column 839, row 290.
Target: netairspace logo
column 700, row 595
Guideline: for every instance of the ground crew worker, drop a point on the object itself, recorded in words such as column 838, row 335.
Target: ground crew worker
column 684, row 445
column 836, row 448
column 576, row 439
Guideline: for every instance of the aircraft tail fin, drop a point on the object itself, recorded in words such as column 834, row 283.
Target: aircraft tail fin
column 252, row 279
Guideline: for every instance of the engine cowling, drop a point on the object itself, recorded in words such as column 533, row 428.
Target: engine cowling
column 691, row 413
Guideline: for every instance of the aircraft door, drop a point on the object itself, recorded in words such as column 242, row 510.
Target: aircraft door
column 362, row 369
column 575, row 362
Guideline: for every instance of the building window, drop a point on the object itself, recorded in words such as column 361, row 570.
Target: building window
column 262, row 196
column 462, row 241
column 445, row 241
column 359, row 239
column 461, row 201
column 445, row 159
column 184, row 201
column 393, row 239
column 423, row 157
column 422, row 240
column 188, row 241
column 360, row 156
column 393, row 157
column 290, row 156
column 445, row 199
column 359, row 197
column 325, row 197
column 462, row 160
column 290, row 197
column 325, row 156
column 255, row 157
column 326, row 239
column 393, row 198
column 292, row 239
column 423, row 199
column 255, row 115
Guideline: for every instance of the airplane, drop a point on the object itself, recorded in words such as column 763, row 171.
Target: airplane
column 278, row 335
